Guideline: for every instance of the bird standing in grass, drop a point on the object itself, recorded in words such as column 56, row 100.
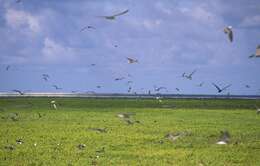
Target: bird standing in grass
column 224, row 138
column 53, row 103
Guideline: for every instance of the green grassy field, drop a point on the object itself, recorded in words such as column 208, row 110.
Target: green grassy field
column 51, row 137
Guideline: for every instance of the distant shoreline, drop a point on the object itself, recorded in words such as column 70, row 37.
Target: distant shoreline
column 122, row 95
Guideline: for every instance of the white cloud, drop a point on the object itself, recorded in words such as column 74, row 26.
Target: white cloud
column 20, row 19
column 55, row 52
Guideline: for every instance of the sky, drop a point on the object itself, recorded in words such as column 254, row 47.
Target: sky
column 168, row 37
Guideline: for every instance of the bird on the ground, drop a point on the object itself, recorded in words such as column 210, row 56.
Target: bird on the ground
column 224, row 138
column 87, row 27
column 221, row 89
column 125, row 115
column 102, row 150
column 19, row 141
column 100, row 130
column 257, row 110
column 56, row 87
column 113, row 17
column 229, row 32
column 81, row 146
column 53, row 103
column 131, row 60
column 189, row 77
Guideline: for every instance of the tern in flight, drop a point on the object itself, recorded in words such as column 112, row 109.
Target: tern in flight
column 7, row 67
column 189, row 77
column 201, row 84
column 56, row 87
column 113, row 17
column 120, row 78
column 229, row 32
column 221, row 89
column 131, row 60
column 87, row 27
column 20, row 92
column 45, row 77
column 157, row 89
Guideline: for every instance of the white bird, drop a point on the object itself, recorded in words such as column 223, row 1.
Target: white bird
column 229, row 32
column 113, row 17
column 53, row 104
column 224, row 138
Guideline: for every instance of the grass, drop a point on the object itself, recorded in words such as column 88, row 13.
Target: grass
column 52, row 139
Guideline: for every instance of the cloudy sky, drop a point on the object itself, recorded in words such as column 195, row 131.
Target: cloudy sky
column 168, row 37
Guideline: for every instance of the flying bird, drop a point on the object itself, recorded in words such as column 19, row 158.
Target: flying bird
column 221, row 89
column 18, row 91
column 46, row 75
column 129, row 89
column 98, row 86
column 131, row 60
column 247, row 86
column 177, row 89
column 157, row 89
column 224, row 138
column 120, row 78
column 189, row 77
column 7, row 67
column 201, row 84
column 56, row 87
column 113, row 17
column 229, row 32
column 18, row 1
column 87, row 27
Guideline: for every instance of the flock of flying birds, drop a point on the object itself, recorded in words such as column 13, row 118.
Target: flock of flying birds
column 227, row 30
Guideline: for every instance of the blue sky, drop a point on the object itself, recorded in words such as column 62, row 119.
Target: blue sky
column 168, row 37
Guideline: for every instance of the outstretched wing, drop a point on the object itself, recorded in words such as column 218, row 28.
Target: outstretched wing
column 119, row 14
column 216, row 86
column 226, row 87
column 194, row 71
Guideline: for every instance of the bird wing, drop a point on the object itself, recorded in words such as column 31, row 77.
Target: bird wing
column 226, row 87
column 83, row 29
column 119, row 14
column 230, row 35
column 216, row 86
column 194, row 71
